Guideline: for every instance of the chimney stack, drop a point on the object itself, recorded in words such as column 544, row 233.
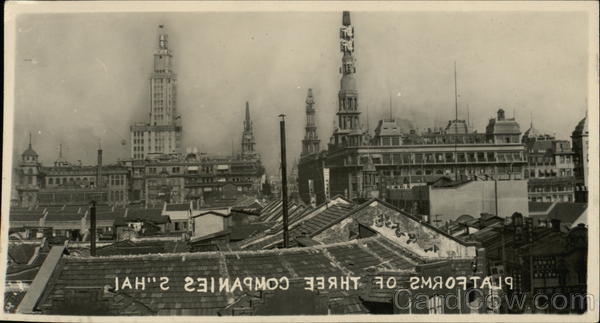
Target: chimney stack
column 99, row 170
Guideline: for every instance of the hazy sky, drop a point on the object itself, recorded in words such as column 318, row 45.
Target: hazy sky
column 85, row 77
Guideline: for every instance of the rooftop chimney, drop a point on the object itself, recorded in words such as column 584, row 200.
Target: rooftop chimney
column 99, row 170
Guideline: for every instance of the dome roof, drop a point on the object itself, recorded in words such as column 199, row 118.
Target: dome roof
column 30, row 151
column 533, row 133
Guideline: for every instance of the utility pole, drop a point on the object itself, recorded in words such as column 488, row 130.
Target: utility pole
column 455, row 125
column 284, row 196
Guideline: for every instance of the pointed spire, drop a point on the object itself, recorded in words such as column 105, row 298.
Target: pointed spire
column 530, row 119
column 247, row 111
column 60, row 151
column 311, row 142
column 30, row 140
column 248, row 135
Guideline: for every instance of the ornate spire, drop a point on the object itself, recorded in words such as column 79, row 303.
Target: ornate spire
column 30, row 140
column 349, row 128
column 311, row 142
column 248, row 136
column 247, row 122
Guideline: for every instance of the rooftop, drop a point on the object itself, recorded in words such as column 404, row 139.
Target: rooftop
column 92, row 274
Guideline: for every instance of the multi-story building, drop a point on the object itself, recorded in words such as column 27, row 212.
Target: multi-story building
column 549, row 167
column 196, row 176
column 176, row 178
column 65, row 183
column 357, row 165
column 162, row 134
column 27, row 177
column 580, row 141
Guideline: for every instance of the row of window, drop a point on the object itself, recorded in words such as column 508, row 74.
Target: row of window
column 552, row 198
column 553, row 188
column 118, row 180
column 433, row 158
column 550, row 173
column 460, row 170
column 117, row 196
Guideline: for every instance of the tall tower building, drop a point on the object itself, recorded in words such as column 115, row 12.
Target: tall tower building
column 311, row 142
column 27, row 173
column 349, row 131
column 162, row 134
column 248, row 141
column 580, row 139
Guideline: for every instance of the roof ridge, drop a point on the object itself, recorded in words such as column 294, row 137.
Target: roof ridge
column 212, row 254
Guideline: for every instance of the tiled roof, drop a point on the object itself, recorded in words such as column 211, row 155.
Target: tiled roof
column 20, row 253
column 150, row 215
column 309, row 227
column 58, row 217
column 143, row 212
column 128, row 247
column 25, row 216
column 243, row 231
column 178, row 207
column 373, row 293
column 539, row 206
column 100, row 216
column 319, row 260
column 23, row 254
column 567, row 212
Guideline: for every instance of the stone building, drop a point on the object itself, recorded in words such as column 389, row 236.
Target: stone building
column 549, row 167
column 162, row 133
column 359, row 166
column 66, row 183
column 28, row 177
column 580, row 141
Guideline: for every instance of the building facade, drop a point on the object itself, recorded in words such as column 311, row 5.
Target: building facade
column 550, row 164
column 163, row 132
column 28, row 177
column 580, row 141
column 358, row 165
column 65, row 183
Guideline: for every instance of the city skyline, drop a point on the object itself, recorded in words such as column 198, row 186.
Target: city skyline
column 117, row 81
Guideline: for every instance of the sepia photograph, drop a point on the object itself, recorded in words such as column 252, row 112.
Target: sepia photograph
column 247, row 161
